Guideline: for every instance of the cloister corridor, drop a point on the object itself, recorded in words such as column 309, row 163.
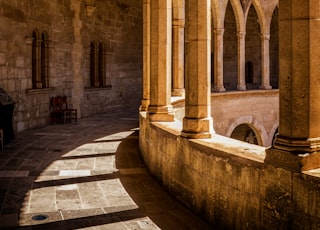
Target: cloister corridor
column 85, row 175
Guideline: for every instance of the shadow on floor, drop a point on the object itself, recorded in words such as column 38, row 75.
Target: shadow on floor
column 85, row 175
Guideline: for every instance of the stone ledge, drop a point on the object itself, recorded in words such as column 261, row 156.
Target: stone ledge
column 39, row 91
column 107, row 87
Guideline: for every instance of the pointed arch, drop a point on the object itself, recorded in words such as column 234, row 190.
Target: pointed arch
column 274, row 50
column 101, row 65
column 93, row 64
column 39, row 60
column 253, row 47
column 44, row 60
column 218, row 9
column 238, row 14
column 230, row 71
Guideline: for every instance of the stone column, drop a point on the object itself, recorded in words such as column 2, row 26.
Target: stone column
column 178, row 57
column 265, row 60
column 160, row 108
column 146, row 56
column 198, row 122
column 299, row 61
column 241, row 61
column 218, row 60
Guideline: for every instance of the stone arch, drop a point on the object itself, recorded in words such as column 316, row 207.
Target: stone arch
column 40, row 64
column 101, row 65
column 253, row 46
column 44, row 60
column 255, row 125
column 36, row 34
column 230, row 57
column 218, row 9
column 264, row 29
column 274, row 50
column 274, row 130
column 246, row 133
column 239, row 15
column 93, row 64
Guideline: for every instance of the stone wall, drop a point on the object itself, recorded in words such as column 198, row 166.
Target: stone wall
column 70, row 26
column 258, row 109
column 233, row 184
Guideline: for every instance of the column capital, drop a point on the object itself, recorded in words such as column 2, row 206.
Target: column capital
column 241, row 35
column 265, row 36
column 178, row 22
column 218, row 31
column 160, row 113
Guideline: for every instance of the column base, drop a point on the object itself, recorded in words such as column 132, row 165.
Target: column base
column 218, row 89
column 160, row 114
column 197, row 128
column 283, row 159
column 291, row 161
column 297, row 146
column 178, row 92
column 241, row 87
column 144, row 105
column 265, row 87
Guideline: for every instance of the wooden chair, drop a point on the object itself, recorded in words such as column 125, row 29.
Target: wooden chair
column 70, row 114
column 60, row 112
column 57, row 113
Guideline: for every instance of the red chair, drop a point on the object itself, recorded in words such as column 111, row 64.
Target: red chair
column 69, row 114
column 60, row 113
column 57, row 113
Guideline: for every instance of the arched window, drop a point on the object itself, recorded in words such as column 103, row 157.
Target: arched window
column 102, row 68
column 44, row 61
column 97, row 65
column 93, row 65
column 40, row 61
column 249, row 72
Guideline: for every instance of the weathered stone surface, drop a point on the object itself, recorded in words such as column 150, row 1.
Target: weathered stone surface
column 70, row 31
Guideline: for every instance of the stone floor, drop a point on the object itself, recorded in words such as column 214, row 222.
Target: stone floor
column 87, row 175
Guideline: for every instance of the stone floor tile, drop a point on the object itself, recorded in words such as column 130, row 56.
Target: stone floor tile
column 87, row 175
column 73, row 214
column 27, row 218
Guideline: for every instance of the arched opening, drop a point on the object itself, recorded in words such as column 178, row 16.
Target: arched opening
column 35, row 59
column 274, row 50
column 93, row 61
column 253, row 47
column 245, row 133
column 101, row 66
column 44, row 61
column 275, row 135
column 212, row 52
column 230, row 60
column 249, row 72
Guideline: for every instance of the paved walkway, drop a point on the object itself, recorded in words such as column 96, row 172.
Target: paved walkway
column 87, row 175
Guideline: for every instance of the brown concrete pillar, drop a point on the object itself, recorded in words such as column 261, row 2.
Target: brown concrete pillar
column 178, row 48
column 218, row 60
column 198, row 122
column 146, row 56
column 241, row 61
column 265, row 62
column 160, row 108
column 299, row 57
